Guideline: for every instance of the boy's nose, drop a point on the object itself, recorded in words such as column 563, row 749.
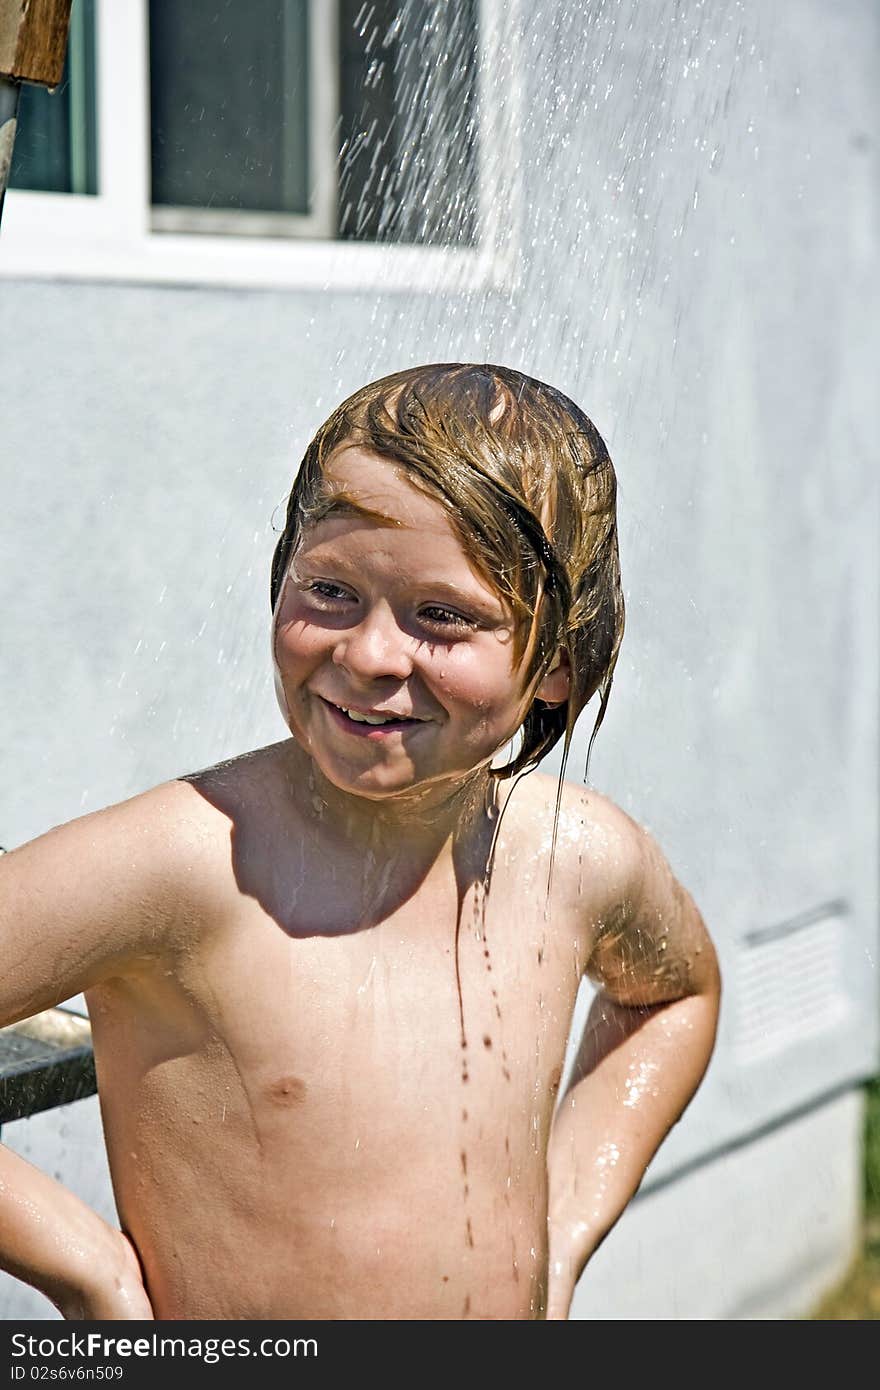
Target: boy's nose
column 375, row 647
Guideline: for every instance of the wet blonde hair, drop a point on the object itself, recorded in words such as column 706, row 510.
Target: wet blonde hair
column 530, row 491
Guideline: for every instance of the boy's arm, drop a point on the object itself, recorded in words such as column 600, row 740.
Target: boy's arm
column 54, row 1242
column 645, row 1047
column 98, row 898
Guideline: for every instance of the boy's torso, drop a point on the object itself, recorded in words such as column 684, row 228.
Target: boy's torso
column 308, row 1117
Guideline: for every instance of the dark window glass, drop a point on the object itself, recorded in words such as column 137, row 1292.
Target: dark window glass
column 229, row 103
column 55, row 147
column 230, row 112
column 408, row 106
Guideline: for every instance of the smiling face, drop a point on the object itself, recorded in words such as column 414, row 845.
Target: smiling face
column 386, row 619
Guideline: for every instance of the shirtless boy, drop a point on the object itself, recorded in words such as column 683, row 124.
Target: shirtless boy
column 331, row 981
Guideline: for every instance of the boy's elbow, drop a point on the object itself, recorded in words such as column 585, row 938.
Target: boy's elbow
column 655, row 967
column 705, row 967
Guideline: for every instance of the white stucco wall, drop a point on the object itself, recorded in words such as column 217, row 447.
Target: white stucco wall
column 714, row 307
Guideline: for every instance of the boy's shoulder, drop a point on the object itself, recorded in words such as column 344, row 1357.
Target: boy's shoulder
column 174, row 836
column 246, row 790
column 596, row 842
column 583, row 811
column 250, row 772
column 104, row 895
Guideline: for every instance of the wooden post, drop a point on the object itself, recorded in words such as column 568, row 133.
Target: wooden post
column 33, row 41
column 8, row 119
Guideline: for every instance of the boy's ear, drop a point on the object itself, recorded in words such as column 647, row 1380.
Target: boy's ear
column 556, row 685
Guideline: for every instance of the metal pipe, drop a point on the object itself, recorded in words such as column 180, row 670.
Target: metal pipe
column 9, row 94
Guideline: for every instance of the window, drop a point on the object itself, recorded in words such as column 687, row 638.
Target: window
column 238, row 125
column 408, row 106
column 233, row 133
column 272, row 142
column 55, row 145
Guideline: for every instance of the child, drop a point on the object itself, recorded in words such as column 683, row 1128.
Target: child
column 331, row 981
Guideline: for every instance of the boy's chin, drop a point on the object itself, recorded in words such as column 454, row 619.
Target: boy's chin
column 371, row 787
column 386, row 785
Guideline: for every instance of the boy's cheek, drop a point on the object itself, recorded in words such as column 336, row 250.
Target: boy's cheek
column 280, row 695
column 280, row 660
column 273, row 652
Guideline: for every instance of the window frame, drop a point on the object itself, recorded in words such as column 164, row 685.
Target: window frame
column 323, row 100
column 113, row 235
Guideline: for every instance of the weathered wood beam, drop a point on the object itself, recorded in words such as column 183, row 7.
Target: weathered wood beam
column 33, row 40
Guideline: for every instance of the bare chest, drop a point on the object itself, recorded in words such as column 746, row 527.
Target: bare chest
column 339, row 1087
column 445, row 1007
column 441, row 999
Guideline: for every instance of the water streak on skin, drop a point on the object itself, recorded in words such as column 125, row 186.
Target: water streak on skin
column 465, row 1074
column 487, row 1041
column 458, row 980
column 480, row 898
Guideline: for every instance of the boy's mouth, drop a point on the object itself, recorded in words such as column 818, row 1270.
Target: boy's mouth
column 370, row 723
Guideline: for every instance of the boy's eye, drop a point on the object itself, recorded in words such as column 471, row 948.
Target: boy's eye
column 324, row 589
column 437, row 616
column 324, row 593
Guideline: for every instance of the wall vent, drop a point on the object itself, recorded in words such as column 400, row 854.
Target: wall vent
column 789, row 982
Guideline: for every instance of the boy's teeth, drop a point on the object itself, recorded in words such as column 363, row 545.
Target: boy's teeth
column 370, row 718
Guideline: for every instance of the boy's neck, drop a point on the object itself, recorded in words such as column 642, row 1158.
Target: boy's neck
column 425, row 817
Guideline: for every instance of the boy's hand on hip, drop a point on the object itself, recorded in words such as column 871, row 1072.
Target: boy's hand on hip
column 559, row 1294
column 566, row 1261
column 119, row 1296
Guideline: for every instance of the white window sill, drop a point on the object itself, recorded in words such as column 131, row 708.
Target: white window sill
column 61, row 237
